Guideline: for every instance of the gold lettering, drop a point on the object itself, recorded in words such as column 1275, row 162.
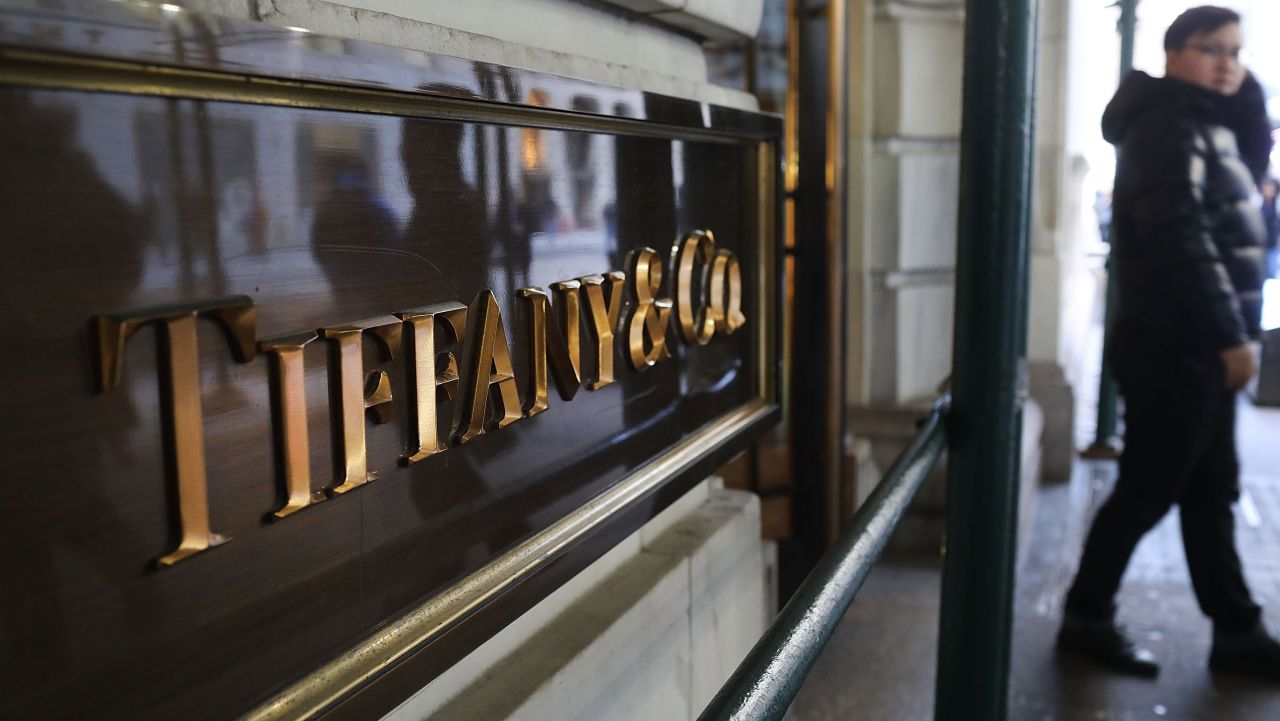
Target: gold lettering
column 486, row 368
column 649, row 316
column 724, row 293
column 554, row 343
column 422, row 324
column 604, row 318
column 180, row 381
column 288, row 373
column 347, row 398
column 378, row 400
column 696, row 324
column 378, row 397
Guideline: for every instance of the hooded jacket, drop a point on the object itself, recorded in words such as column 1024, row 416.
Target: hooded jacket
column 1186, row 234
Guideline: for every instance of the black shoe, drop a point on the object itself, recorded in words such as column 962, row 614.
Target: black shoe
column 1253, row 652
column 1106, row 644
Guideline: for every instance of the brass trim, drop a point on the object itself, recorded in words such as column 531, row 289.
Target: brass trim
column 837, row 107
column 317, row 692
column 791, row 116
column 52, row 70
column 768, row 300
column 791, row 181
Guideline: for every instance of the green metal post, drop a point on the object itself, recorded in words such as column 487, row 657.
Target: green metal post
column 991, row 315
column 1106, row 443
column 1127, row 27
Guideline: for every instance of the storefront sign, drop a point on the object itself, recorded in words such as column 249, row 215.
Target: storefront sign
column 328, row 360
column 481, row 381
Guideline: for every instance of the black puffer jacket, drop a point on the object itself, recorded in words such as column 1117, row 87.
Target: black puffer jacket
column 1186, row 235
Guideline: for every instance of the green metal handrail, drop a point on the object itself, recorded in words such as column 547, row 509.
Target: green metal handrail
column 767, row 681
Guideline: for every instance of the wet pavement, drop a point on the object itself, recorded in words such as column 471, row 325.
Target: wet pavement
column 1156, row 603
column 880, row 664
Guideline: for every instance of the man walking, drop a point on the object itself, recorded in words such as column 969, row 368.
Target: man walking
column 1186, row 251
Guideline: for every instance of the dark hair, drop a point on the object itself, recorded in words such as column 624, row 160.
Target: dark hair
column 1203, row 19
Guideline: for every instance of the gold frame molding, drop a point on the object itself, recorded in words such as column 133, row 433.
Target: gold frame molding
column 56, row 70
column 323, row 688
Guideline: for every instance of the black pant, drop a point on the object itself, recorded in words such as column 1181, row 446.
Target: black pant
column 1179, row 448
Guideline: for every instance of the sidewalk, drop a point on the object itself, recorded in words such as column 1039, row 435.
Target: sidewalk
column 880, row 664
column 1156, row 603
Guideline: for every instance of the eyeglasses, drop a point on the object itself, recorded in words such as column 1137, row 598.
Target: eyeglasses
column 1217, row 52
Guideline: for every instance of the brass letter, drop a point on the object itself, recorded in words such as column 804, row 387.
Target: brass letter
column 347, row 395
column 604, row 318
column 487, row 367
column 724, row 293
column 378, row 397
column 557, row 343
column 649, row 316
column 289, row 371
column 180, row 378
column 424, row 439
column 696, row 325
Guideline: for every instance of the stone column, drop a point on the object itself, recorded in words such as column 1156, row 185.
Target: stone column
column 903, row 166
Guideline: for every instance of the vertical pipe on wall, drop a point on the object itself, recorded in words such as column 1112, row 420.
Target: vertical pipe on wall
column 1128, row 27
column 791, row 181
column 1106, row 443
column 817, row 417
column 985, row 425
column 835, row 265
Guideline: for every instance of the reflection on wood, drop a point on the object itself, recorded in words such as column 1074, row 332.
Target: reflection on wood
column 114, row 201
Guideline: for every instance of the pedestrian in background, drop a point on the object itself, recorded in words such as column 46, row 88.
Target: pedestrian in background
column 1186, row 241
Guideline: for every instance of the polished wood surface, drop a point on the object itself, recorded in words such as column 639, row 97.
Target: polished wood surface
column 116, row 201
column 166, row 35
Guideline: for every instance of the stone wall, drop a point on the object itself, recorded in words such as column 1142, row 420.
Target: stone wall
column 903, row 172
column 905, row 85
column 651, row 631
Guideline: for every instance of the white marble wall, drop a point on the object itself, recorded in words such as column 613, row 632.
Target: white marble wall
column 651, row 631
column 903, row 184
column 905, row 67
column 905, row 86
column 1056, row 247
column 1063, row 287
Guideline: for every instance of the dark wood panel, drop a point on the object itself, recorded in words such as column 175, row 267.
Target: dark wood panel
column 115, row 202
column 149, row 33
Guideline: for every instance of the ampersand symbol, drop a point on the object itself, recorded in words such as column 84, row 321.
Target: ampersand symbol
column 649, row 317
